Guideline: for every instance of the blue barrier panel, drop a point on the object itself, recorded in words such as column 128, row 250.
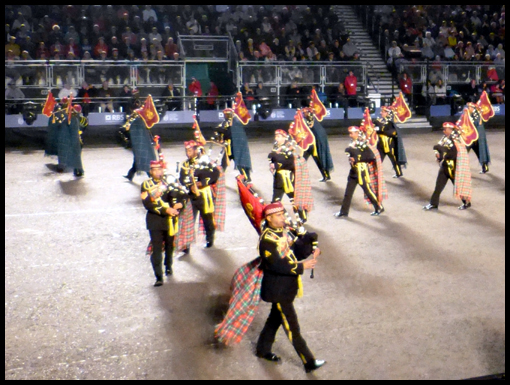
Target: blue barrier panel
column 440, row 111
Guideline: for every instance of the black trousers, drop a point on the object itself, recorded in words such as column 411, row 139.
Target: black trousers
column 352, row 182
column 158, row 237
column 445, row 174
column 318, row 162
column 283, row 314
column 132, row 171
column 392, row 145
column 476, row 148
column 208, row 219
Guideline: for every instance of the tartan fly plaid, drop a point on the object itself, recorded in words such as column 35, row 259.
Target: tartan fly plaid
column 303, row 196
column 186, row 235
column 377, row 182
column 219, row 190
column 246, row 284
column 462, row 188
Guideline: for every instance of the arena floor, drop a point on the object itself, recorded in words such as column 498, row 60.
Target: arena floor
column 410, row 295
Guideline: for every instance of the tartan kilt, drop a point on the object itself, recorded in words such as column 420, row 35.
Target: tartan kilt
column 51, row 147
column 141, row 143
column 462, row 188
column 245, row 286
column 186, row 235
column 377, row 182
column 303, row 197
column 69, row 145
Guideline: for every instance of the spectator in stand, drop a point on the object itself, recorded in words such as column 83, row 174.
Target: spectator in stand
column 13, row 46
column 100, row 47
column 449, row 53
column 264, row 49
column 472, row 93
column 170, row 48
column 498, row 92
column 290, row 50
column 72, row 47
column 195, row 87
column 67, row 91
column 84, row 96
column 311, row 51
column 116, row 45
column 261, row 92
column 172, row 99
column 501, row 51
column 72, row 34
column 294, row 96
column 14, row 94
column 106, row 94
column 148, row 12
column 144, row 47
column 429, row 45
column 126, row 99
column 42, row 52
column 394, row 53
column 212, row 96
column 406, row 86
column 278, row 49
column 349, row 49
column 336, row 49
column 339, row 97
column 155, row 35
column 248, row 95
column 351, row 85
column 55, row 35
column 428, row 94
column 440, row 93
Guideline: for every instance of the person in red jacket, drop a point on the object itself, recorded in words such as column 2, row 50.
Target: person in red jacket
column 406, row 86
column 212, row 96
column 195, row 87
column 351, row 84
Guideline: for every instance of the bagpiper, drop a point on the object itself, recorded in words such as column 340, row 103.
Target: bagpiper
column 389, row 143
column 199, row 176
column 361, row 157
column 290, row 175
column 64, row 135
column 451, row 154
column 232, row 133
column 163, row 199
column 320, row 151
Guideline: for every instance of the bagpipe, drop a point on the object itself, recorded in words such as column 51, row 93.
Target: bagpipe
column 304, row 242
column 123, row 133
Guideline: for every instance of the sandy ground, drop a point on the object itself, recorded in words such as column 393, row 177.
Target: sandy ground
column 408, row 295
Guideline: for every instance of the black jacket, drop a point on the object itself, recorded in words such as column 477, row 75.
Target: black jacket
column 173, row 193
column 386, row 127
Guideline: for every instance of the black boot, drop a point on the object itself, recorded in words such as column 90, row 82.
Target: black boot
column 130, row 175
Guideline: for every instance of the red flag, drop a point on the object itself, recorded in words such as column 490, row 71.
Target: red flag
column 368, row 127
column 49, row 105
column 317, row 107
column 253, row 206
column 402, row 110
column 467, row 128
column 486, row 107
column 198, row 133
column 148, row 112
column 240, row 109
column 300, row 132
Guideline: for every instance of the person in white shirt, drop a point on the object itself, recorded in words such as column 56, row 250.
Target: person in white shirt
column 67, row 91
column 148, row 12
